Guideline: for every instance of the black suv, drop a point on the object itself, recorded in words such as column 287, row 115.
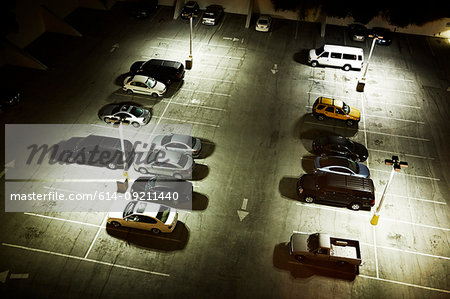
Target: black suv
column 341, row 190
column 191, row 8
column 340, row 146
column 165, row 71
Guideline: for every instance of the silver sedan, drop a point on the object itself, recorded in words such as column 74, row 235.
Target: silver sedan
column 179, row 143
column 125, row 113
column 340, row 165
column 163, row 162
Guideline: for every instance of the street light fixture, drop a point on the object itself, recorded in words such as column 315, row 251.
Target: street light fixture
column 397, row 165
column 362, row 82
column 190, row 59
column 122, row 186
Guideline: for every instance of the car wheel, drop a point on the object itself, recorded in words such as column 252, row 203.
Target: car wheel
column 349, row 122
column 314, row 63
column 355, row 206
column 155, row 95
column 129, row 91
column 143, row 170
column 178, row 176
column 107, row 120
column 155, row 231
column 347, row 67
column 115, row 224
column 112, row 165
column 309, row 199
column 300, row 258
column 320, row 117
column 136, row 125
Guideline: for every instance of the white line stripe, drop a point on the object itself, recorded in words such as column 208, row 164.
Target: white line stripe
column 204, row 44
column 398, row 119
column 367, row 213
column 211, row 79
column 403, row 154
column 61, row 219
column 199, row 54
column 207, row 92
column 96, row 236
column 187, row 121
column 212, row 66
column 198, row 106
column 85, row 259
column 405, row 284
column 414, row 198
column 375, row 250
column 410, row 175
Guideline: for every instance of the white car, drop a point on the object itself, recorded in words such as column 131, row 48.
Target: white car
column 144, row 215
column 135, row 116
column 170, row 163
column 263, row 23
column 144, row 85
column 179, row 143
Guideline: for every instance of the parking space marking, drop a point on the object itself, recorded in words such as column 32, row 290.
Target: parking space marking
column 96, row 236
column 62, row 219
column 207, row 92
column 410, row 175
column 198, row 106
column 372, row 132
column 404, row 283
column 200, row 43
column 211, row 79
column 367, row 215
column 200, row 54
column 218, row 67
column 85, row 259
column 186, row 121
column 403, row 154
column 414, row 198
column 397, row 119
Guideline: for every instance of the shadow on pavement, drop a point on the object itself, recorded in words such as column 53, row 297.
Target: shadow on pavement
column 200, row 172
column 208, row 147
column 176, row 240
column 288, row 187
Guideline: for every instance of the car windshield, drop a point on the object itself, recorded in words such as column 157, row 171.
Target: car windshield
column 209, row 14
column 163, row 213
column 151, row 82
column 150, row 184
column 313, row 242
column 166, row 139
column 129, row 209
column 346, row 108
column 320, row 50
column 353, row 166
column 136, row 111
column 263, row 21
column 183, row 160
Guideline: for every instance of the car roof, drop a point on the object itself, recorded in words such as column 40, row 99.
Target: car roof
column 339, row 181
column 186, row 139
column 146, row 208
column 333, row 102
column 162, row 62
column 344, row 49
column 333, row 161
column 341, row 140
column 140, row 78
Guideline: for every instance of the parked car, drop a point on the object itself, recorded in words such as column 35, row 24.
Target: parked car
column 337, row 109
column 9, row 98
column 344, row 57
column 161, row 189
column 179, row 143
column 191, row 8
column 144, row 215
column 125, row 113
column 144, row 85
column 263, row 23
column 340, row 165
column 342, row 190
column 341, row 146
column 357, row 32
column 212, row 15
column 384, row 35
column 95, row 150
column 141, row 9
column 323, row 247
column 166, row 71
column 164, row 162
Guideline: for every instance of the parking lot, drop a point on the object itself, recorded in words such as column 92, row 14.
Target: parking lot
column 249, row 97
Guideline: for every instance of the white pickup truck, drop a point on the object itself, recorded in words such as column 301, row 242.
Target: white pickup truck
column 320, row 246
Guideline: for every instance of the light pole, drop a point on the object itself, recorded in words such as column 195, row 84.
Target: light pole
column 362, row 82
column 122, row 186
column 190, row 59
column 397, row 165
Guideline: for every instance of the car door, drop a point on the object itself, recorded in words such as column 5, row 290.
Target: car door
column 178, row 147
column 324, row 58
column 340, row 113
column 329, row 111
column 336, row 59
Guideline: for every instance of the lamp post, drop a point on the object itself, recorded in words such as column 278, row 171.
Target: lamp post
column 362, row 82
column 397, row 165
column 190, row 59
column 122, row 186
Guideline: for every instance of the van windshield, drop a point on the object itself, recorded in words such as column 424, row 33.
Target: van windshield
column 320, row 50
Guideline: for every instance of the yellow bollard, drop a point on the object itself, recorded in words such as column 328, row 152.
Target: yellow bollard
column 374, row 220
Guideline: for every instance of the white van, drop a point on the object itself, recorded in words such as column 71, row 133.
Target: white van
column 340, row 56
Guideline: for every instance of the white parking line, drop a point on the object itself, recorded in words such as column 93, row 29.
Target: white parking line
column 410, row 175
column 414, row 198
column 397, row 119
column 400, row 153
column 206, row 92
column 187, row 121
column 96, row 236
column 213, row 66
column 199, row 54
column 404, row 283
column 211, row 79
column 62, row 219
column 85, row 259
column 202, row 43
column 367, row 214
column 198, row 106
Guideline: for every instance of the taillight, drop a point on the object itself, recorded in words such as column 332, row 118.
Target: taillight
column 373, row 202
column 300, row 190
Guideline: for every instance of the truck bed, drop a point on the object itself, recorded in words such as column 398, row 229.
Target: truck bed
column 345, row 248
